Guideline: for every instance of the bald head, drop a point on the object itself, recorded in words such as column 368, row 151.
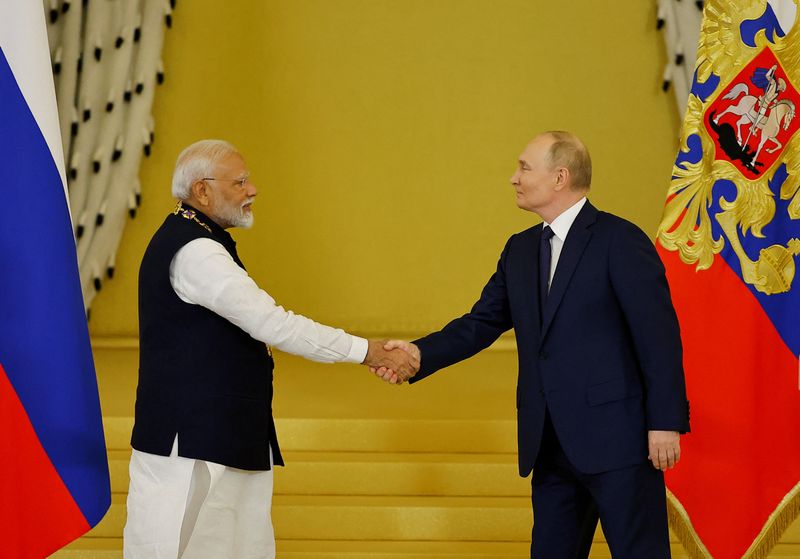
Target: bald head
column 568, row 151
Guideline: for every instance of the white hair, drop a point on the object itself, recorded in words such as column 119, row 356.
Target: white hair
column 197, row 162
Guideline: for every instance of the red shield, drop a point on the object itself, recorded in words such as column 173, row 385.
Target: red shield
column 753, row 118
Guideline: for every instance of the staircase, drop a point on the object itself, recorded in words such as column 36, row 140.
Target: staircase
column 373, row 470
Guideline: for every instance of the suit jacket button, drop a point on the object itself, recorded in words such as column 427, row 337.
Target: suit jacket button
column 542, row 355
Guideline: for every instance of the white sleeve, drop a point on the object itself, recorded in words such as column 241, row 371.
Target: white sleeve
column 203, row 273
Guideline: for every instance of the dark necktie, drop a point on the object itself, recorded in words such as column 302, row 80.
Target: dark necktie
column 545, row 257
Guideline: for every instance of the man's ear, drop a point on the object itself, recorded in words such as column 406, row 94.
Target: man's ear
column 562, row 178
column 200, row 192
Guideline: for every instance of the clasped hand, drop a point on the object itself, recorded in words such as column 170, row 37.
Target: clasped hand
column 395, row 361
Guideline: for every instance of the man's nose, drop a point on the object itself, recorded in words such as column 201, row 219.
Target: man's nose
column 252, row 191
column 515, row 178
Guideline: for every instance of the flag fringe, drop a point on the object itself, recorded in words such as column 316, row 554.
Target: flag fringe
column 684, row 530
column 781, row 518
column 777, row 523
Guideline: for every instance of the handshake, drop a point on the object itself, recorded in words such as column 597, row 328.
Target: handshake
column 394, row 361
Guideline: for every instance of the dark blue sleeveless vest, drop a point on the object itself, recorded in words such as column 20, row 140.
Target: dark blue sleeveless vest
column 200, row 376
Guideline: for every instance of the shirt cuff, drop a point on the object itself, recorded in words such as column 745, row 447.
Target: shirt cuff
column 358, row 350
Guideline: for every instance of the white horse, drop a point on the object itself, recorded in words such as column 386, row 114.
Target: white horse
column 782, row 113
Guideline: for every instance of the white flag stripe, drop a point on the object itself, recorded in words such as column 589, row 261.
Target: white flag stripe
column 22, row 25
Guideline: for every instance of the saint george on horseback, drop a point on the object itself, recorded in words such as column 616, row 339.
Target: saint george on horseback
column 771, row 113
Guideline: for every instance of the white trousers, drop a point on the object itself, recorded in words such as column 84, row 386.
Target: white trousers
column 193, row 509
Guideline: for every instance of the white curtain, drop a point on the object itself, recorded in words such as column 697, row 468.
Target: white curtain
column 679, row 22
column 106, row 63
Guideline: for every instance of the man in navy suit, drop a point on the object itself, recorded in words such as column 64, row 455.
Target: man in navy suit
column 601, row 398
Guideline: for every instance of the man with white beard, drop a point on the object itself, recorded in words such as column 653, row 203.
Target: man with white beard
column 204, row 440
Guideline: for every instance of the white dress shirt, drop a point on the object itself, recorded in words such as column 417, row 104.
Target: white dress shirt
column 561, row 226
column 203, row 273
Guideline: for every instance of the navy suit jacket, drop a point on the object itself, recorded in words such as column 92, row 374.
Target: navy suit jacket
column 606, row 358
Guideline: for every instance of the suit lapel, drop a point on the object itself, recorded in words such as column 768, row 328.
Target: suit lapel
column 577, row 239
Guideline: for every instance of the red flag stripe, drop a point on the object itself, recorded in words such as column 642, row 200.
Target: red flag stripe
column 37, row 514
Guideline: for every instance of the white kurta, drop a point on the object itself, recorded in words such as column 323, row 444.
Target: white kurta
column 182, row 507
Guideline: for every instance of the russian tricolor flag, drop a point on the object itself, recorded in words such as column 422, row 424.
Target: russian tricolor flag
column 54, row 483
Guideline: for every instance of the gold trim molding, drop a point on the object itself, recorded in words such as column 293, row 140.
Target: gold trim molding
column 506, row 342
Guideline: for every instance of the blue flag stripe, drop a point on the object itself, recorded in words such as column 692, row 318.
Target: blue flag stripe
column 44, row 341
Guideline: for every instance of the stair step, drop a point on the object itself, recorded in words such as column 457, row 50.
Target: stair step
column 378, row 518
column 111, row 548
column 295, row 549
column 361, row 473
column 333, row 549
column 401, row 474
column 400, row 518
column 91, row 553
column 370, row 435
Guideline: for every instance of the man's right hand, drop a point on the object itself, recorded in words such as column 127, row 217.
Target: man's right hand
column 396, row 364
column 390, row 375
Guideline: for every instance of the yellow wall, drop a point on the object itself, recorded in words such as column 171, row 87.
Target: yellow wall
column 382, row 134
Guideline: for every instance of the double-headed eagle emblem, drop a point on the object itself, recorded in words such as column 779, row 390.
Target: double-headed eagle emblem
column 740, row 131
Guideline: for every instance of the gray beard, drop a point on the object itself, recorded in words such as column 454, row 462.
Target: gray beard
column 235, row 217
